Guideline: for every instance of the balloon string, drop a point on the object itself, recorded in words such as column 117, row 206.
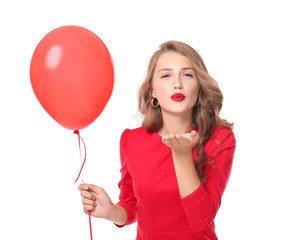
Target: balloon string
column 79, row 137
column 91, row 235
column 77, row 132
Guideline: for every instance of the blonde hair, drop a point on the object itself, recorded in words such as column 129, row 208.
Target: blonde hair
column 205, row 114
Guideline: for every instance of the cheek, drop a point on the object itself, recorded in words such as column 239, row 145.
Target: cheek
column 159, row 89
column 194, row 89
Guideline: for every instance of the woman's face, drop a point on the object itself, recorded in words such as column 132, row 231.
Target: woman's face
column 174, row 74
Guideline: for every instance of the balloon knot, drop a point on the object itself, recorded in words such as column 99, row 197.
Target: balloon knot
column 76, row 132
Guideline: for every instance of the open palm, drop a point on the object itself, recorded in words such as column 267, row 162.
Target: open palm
column 181, row 142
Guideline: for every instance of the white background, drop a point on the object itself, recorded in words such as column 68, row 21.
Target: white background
column 246, row 48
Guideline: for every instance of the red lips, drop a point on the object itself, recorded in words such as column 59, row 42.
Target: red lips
column 178, row 97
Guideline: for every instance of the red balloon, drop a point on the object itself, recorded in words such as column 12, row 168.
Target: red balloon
column 72, row 76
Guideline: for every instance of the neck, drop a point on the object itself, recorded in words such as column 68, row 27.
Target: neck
column 176, row 124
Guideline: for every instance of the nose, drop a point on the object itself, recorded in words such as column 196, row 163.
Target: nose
column 177, row 83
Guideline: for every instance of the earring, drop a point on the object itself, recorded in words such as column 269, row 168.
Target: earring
column 152, row 102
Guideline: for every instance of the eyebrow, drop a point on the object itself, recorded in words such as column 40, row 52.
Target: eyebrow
column 169, row 69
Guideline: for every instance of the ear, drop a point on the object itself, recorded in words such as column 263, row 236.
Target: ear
column 154, row 95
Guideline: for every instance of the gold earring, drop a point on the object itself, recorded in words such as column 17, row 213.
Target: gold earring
column 152, row 102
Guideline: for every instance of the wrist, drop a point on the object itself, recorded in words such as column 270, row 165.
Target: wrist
column 182, row 153
column 111, row 213
column 184, row 158
column 117, row 215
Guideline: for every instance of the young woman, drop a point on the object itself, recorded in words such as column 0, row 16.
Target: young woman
column 174, row 167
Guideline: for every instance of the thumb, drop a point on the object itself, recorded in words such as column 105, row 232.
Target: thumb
column 95, row 189
column 194, row 135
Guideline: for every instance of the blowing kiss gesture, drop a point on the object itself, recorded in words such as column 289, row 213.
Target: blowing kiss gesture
column 181, row 143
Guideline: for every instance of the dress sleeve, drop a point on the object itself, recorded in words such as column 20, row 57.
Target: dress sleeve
column 202, row 205
column 127, row 198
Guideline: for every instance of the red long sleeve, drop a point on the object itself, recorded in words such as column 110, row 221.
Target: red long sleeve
column 206, row 200
column 126, row 197
column 149, row 190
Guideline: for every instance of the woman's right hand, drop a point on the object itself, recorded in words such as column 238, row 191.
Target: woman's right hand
column 96, row 200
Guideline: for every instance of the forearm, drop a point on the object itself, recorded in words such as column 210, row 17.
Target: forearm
column 187, row 177
column 118, row 215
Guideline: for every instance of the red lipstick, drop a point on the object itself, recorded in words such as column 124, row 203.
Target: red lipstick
column 178, row 97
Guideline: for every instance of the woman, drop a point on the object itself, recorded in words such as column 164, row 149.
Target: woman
column 176, row 166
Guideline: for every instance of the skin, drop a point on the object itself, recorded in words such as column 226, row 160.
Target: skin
column 173, row 74
column 96, row 200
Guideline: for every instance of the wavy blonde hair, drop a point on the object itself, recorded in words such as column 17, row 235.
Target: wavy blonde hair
column 206, row 111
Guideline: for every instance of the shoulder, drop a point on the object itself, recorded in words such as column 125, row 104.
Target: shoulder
column 138, row 139
column 139, row 132
column 221, row 138
column 222, row 134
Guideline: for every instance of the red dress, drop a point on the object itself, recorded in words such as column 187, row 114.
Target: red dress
column 149, row 190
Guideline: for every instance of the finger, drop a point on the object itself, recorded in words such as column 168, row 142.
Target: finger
column 86, row 201
column 88, row 208
column 180, row 138
column 194, row 132
column 169, row 140
column 95, row 189
column 173, row 138
column 165, row 139
column 88, row 195
column 83, row 186
column 194, row 135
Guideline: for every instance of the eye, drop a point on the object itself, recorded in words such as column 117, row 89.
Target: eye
column 165, row 76
column 188, row 75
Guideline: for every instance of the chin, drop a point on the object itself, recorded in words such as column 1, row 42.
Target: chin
column 177, row 110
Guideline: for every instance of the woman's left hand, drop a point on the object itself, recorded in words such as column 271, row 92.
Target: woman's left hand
column 181, row 143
